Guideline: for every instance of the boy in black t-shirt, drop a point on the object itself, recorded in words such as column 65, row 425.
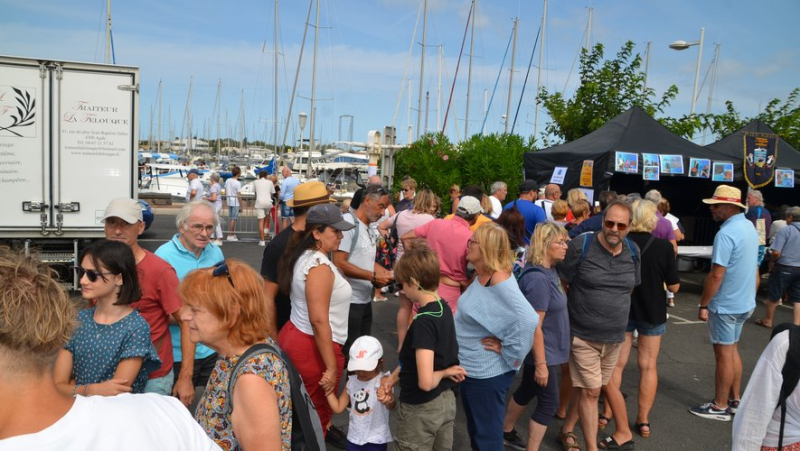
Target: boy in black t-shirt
column 428, row 367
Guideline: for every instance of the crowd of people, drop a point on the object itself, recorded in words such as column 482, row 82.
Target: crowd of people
column 556, row 288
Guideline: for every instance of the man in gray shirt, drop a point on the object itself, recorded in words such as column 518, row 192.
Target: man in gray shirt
column 601, row 270
column 784, row 274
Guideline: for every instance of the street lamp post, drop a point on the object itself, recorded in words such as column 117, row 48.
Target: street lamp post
column 683, row 45
column 301, row 119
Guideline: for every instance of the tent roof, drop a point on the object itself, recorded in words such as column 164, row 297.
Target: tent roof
column 633, row 131
column 733, row 147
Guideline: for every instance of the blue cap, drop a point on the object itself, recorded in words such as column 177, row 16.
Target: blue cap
column 194, row 171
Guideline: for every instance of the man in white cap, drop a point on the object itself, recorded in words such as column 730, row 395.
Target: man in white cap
column 729, row 298
column 159, row 284
column 195, row 190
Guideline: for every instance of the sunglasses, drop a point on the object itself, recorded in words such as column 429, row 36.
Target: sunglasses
column 621, row 226
column 91, row 274
column 222, row 268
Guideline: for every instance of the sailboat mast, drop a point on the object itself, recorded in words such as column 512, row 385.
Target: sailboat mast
column 511, row 72
column 589, row 31
column 311, row 145
column 646, row 66
column 539, row 78
column 108, row 32
column 275, row 52
column 241, row 120
column 219, row 113
column 410, row 137
column 711, row 85
column 439, row 93
column 158, row 139
column 422, row 63
column 469, row 71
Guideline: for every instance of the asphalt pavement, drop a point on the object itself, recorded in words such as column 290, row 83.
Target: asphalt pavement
column 685, row 364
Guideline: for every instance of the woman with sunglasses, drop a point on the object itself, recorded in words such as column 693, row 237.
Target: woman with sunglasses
column 648, row 314
column 320, row 295
column 228, row 311
column 494, row 328
column 110, row 352
column 542, row 287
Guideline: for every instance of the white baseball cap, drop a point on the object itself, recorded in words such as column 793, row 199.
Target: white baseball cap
column 365, row 353
column 124, row 208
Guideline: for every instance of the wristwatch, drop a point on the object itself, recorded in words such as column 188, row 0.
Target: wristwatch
column 702, row 307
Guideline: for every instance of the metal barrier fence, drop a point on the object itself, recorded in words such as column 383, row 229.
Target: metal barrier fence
column 247, row 224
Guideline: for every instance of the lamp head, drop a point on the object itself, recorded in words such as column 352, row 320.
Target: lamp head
column 679, row 45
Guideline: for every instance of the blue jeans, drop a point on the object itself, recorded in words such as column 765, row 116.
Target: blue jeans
column 160, row 385
column 286, row 211
column 485, row 406
column 725, row 329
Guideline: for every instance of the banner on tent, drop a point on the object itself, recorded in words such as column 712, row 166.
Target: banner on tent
column 586, row 173
column 760, row 156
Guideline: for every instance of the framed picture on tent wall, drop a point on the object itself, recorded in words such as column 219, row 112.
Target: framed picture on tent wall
column 649, row 159
column 784, row 178
column 650, row 173
column 722, row 171
column 627, row 162
column 699, row 167
column 671, row 164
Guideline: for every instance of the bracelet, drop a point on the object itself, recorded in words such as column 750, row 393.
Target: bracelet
column 74, row 389
column 541, row 363
column 374, row 278
column 702, row 307
column 85, row 387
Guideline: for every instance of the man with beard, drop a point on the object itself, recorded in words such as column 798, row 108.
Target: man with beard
column 600, row 271
column 356, row 259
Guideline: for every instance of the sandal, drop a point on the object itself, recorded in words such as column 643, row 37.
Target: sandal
column 602, row 422
column 640, row 429
column 763, row 323
column 564, row 436
column 610, row 443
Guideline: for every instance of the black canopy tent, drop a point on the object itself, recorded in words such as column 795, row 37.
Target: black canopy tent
column 633, row 131
column 787, row 157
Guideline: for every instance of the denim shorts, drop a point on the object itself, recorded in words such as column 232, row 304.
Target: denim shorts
column 784, row 279
column 160, row 385
column 286, row 211
column 233, row 212
column 725, row 329
column 650, row 330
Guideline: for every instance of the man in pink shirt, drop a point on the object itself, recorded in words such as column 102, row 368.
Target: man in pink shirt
column 448, row 238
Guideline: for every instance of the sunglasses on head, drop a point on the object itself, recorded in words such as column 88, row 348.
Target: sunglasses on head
column 91, row 274
column 621, row 226
column 222, row 268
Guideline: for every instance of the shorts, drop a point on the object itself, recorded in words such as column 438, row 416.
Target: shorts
column 726, row 329
column 286, row 211
column 647, row 329
column 591, row 363
column 161, row 385
column 426, row 426
column 784, row 279
column 233, row 212
column 263, row 212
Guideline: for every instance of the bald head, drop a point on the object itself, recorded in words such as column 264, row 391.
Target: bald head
column 552, row 192
column 374, row 180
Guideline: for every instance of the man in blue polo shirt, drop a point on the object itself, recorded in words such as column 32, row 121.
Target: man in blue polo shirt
column 533, row 214
column 191, row 248
column 729, row 298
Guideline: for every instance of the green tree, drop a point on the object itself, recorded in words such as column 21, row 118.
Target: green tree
column 782, row 116
column 608, row 88
column 431, row 161
column 485, row 159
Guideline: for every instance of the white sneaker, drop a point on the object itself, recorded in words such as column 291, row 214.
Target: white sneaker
column 218, row 242
column 232, row 238
column 262, row 244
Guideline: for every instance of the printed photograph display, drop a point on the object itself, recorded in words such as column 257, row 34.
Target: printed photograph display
column 649, row 159
column 699, row 167
column 651, row 173
column 671, row 164
column 627, row 162
column 784, row 178
column 722, row 172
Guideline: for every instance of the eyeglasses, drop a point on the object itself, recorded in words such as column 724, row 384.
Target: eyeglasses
column 560, row 243
column 91, row 274
column 222, row 268
column 200, row 228
column 621, row 226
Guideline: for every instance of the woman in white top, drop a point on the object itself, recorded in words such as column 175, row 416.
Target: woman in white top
column 215, row 197
column 320, row 295
column 426, row 204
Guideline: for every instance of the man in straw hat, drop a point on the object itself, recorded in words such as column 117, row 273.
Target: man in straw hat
column 729, row 298
column 305, row 196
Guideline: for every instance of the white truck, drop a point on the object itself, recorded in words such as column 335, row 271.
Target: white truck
column 68, row 144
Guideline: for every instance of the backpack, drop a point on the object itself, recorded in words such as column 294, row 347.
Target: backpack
column 306, row 427
column 586, row 242
column 790, row 371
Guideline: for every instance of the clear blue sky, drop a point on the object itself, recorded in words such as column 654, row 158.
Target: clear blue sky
column 363, row 55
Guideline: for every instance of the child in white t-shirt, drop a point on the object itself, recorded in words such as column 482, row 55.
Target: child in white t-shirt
column 369, row 418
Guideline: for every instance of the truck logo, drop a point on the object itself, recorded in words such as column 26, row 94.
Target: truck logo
column 17, row 116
